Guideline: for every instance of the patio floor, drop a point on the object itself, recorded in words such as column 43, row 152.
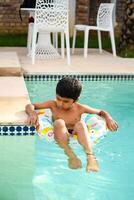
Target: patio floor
column 95, row 63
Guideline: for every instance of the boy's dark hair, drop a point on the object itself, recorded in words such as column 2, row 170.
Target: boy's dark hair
column 69, row 87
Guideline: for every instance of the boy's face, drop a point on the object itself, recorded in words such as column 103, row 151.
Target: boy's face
column 63, row 102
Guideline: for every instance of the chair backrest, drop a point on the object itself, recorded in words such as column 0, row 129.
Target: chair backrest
column 52, row 14
column 105, row 15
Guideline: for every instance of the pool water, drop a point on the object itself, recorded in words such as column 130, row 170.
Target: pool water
column 53, row 179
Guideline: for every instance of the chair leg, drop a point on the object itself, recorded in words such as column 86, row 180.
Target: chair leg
column 74, row 41
column 86, row 35
column 113, row 42
column 55, row 40
column 29, row 37
column 62, row 45
column 99, row 41
column 67, row 47
column 33, row 46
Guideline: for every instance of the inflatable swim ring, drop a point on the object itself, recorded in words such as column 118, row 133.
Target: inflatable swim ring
column 95, row 124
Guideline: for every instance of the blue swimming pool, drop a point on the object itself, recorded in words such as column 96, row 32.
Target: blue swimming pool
column 53, row 180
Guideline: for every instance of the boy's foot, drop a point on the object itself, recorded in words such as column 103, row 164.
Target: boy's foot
column 74, row 163
column 92, row 164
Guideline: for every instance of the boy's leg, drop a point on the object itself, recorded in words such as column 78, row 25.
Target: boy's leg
column 62, row 138
column 83, row 139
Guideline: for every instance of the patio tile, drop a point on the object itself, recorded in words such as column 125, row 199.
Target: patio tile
column 13, row 99
column 9, row 64
column 94, row 63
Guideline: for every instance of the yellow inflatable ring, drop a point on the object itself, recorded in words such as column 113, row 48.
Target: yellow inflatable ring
column 95, row 124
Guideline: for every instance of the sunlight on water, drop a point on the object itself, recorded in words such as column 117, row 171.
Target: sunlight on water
column 55, row 181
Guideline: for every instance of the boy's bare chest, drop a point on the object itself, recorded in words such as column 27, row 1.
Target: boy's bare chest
column 70, row 117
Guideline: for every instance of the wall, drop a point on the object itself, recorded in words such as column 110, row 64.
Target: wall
column 86, row 11
column 9, row 17
column 72, row 10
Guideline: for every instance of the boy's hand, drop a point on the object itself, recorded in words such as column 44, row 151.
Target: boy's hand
column 32, row 118
column 111, row 124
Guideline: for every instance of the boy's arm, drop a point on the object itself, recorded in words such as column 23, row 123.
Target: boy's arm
column 111, row 124
column 32, row 115
column 88, row 109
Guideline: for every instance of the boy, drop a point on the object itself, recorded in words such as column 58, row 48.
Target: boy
column 66, row 115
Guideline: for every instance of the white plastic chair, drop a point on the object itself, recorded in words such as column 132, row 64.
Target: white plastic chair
column 30, row 31
column 50, row 17
column 30, row 34
column 104, row 23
